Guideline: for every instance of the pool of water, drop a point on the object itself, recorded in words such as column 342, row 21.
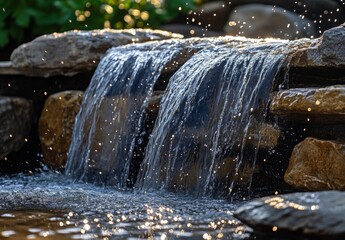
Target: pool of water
column 49, row 206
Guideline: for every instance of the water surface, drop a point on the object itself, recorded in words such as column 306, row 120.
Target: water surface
column 50, row 206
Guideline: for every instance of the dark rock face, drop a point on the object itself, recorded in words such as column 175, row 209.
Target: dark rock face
column 16, row 121
column 319, row 215
column 317, row 165
column 75, row 51
column 328, row 51
column 56, row 126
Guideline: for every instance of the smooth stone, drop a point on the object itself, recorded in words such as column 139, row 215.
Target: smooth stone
column 16, row 117
column 319, row 215
column 316, row 104
column 73, row 52
column 317, row 165
column 328, row 51
column 211, row 16
column 264, row 21
column 56, row 126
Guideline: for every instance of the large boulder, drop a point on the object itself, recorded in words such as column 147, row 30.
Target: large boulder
column 56, row 126
column 317, row 165
column 16, row 116
column 319, row 215
column 317, row 104
column 72, row 52
column 328, row 51
column 262, row 20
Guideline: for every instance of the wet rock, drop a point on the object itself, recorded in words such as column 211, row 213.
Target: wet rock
column 328, row 51
column 154, row 103
column 75, row 51
column 317, row 215
column 189, row 31
column 262, row 21
column 56, row 126
column 57, row 122
column 316, row 104
column 16, row 121
column 317, row 165
column 263, row 135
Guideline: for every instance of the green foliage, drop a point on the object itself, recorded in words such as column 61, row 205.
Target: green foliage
column 21, row 20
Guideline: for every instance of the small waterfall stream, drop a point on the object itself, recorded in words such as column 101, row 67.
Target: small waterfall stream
column 112, row 111
column 210, row 116
column 207, row 135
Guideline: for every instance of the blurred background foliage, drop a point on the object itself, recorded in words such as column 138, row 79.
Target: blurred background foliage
column 23, row 20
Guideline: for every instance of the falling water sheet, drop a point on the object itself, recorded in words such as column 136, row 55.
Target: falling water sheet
column 114, row 104
column 203, row 141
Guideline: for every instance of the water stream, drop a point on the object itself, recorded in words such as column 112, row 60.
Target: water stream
column 210, row 116
column 112, row 111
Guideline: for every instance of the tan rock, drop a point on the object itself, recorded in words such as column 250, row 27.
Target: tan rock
column 16, row 121
column 328, row 51
column 318, row 104
column 264, row 135
column 72, row 52
column 317, row 165
column 56, row 126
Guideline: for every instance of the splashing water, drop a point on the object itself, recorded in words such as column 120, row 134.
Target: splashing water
column 52, row 207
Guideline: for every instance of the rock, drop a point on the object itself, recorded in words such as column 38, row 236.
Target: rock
column 263, row 135
column 211, row 16
column 317, row 165
column 189, row 31
column 72, row 52
column 7, row 69
column 57, row 122
column 154, row 103
column 328, row 51
column 262, row 21
column 16, row 121
column 56, row 126
column 319, row 215
column 316, row 104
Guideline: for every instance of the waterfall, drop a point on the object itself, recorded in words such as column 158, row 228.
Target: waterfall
column 204, row 137
column 112, row 112
column 114, row 104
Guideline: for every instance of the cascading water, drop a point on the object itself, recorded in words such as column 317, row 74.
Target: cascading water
column 207, row 128
column 207, row 135
column 112, row 111
column 114, row 104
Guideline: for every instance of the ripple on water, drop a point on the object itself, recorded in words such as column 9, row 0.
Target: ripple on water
column 50, row 206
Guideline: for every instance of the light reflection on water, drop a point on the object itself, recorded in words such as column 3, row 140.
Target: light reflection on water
column 48, row 206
